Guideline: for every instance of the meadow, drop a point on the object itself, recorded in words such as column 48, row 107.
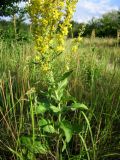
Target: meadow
column 94, row 81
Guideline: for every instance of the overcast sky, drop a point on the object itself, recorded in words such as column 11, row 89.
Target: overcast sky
column 86, row 9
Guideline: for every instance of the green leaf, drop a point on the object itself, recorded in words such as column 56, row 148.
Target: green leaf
column 35, row 147
column 66, row 75
column 64, row 146
column 55, row 109
column 41, row 108
column 43, row 122
column 60, row 90
column 77, row 106
column 46, row 125
column 39, row 148
column 69, row 99
column 68, row 130
column 49, row 129
column 25, row 140
column 77, row 128
column 62, row 84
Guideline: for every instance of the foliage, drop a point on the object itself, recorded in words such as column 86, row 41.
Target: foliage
column 55, row 126
column 106, row 26
column 9, row 7
column 22, row 31
column 94, row 82
column 76, row 29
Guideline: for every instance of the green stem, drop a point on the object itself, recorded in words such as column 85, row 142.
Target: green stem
column 58, row 141
column 33, row 122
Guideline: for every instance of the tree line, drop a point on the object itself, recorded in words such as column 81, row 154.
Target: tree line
column 106, row 26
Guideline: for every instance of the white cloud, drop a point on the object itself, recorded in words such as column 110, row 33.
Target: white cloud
column 81, row 17
column 99, row 6
column 87, row 9
column 22, row 4
column 5, row 18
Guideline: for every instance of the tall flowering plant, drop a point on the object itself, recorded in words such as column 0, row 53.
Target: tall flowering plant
column 52, row 130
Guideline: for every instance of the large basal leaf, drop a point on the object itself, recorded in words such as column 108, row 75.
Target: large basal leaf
column 68, row 130
column 26, row 141
column 35, row 147
column 39, row 148
column 79, row 106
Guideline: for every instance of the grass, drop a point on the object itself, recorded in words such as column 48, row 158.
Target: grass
column 95, row 82
column 97, row 85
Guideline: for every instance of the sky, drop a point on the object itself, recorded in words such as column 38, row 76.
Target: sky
column 87, row 9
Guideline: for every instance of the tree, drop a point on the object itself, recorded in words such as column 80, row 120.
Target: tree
column 106, row 26
column 12, row 9
column 9, row 7
column 110, row 23
column 119, row 18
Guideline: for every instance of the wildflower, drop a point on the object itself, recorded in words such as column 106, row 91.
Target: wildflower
column 79, row 39
column 60, row 49
column 37, row 58
column 74, row 48
column 55, row 14
column 45, row 67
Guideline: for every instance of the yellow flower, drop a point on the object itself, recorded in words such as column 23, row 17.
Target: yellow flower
column 39, row 39
column 53, row 28
column 74, row 48
column 60, row 49
column 79, row 39
column 55, row 14
column 60, row 39
column 45, row 67
column 44, row 22
column 61, row 4
column 37, row 58
column 44, row 48
column 65, row 31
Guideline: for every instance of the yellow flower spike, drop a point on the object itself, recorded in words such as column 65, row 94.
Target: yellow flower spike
column 47, row 16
